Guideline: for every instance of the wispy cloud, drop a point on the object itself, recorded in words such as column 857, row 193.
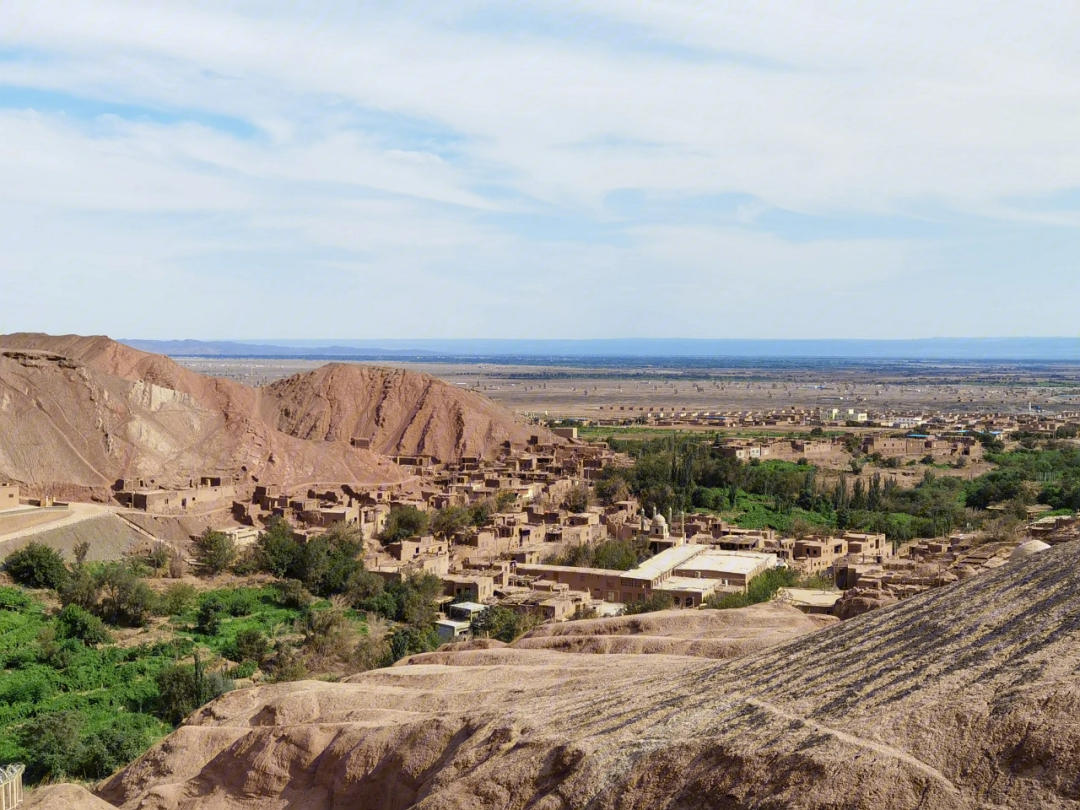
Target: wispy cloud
column 571, row 169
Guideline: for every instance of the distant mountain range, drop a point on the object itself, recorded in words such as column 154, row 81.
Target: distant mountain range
column 1040, row 348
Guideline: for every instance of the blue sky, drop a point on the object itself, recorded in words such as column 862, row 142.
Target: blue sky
column 539, row 169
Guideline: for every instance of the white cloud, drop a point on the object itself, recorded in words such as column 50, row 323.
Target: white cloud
column 399, row 139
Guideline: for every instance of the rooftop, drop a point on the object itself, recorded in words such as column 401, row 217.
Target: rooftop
column 704, row 587
column 731, row 562
column 667, row 560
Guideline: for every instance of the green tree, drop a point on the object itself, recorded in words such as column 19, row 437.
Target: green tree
column 499, row 623
column 404, row 522
column 182, row 689
column 449, row 522
column 249, row 645
column 293, row 594
column 216, row 551
column 178, row 598
column 658, row 600
column 612, row 490
column 276, row 550
column 325, row 563
column 52, row 745
column 37, row 566
column 82, row 588
column 74, row 622
column 405, row 641
column 577, row 499
column 363, row 586
column 125, row 598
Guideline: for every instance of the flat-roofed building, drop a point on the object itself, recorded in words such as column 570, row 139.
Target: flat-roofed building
column 9, row 496
column 609, row 585
column 731, row 569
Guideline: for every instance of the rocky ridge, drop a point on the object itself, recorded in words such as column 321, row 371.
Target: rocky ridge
column 78, row 413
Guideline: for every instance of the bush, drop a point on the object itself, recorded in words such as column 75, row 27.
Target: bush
column 126, row 599
column 249, row 645
column 52, row 746
column 411, row 640
column 37, row 566
column 243, row 670
column 159, row 557
column 76, row 623
column 289, row 665
column 183, row 689
column 13, row 599
column 328, row 635
column 177, row 599
column 117, row 744
column 293, row 594
column 56, row 745
column 500, row 623
column 659, row 600
column 276, row 550
column 216, row 551
column 403, row 522
column 210, row 616
column 762, row 588
column 81, row 589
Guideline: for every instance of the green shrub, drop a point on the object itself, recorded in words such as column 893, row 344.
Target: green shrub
column 183, row 689
column 403, row 522
column 216, row 551
column 109, row 748
column 13, row 599
column 293, row 594
column 659, row 600
column 126, row 600
column 249, row 645
column 37, row 566
column 499, row 623
column 407, row 641
column 82, row 589
column 210, row 616
column 289, row 665
column 52, row 745
column 245, row 669
column 177, row 599
column 76, row 623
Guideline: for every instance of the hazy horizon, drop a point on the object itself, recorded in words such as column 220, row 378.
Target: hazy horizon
column 1036, row 349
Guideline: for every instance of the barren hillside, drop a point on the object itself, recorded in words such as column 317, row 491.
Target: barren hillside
column 399, row 411
column 78, row 413
column 963, row 697
column 701, row 633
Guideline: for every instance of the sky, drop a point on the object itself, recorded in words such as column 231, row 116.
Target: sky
column 511, row 169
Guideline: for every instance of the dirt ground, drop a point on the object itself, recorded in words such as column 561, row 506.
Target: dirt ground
column 622, row 389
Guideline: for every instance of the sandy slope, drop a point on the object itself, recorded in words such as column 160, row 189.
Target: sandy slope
column 78, row 413
column 400, row 411
column 964, row 697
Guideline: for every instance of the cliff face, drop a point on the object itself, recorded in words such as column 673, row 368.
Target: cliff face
column 963, row 697
column 399, row 411
column 78, row 413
